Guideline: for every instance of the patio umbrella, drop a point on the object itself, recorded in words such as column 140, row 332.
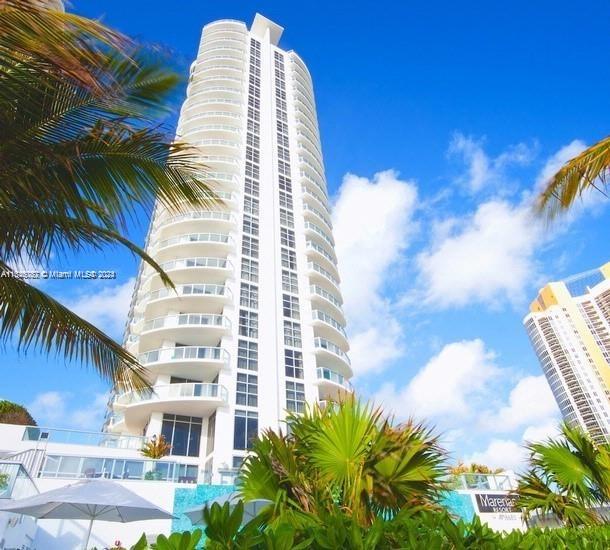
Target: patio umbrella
column 251, row 508
column 95, row 499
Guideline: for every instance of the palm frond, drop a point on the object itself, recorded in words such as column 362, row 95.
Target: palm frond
column 42, row 323
column 588, row 170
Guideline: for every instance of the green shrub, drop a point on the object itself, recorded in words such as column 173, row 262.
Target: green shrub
column 12, row 413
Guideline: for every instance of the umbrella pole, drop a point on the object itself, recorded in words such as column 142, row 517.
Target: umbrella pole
column 88, row 534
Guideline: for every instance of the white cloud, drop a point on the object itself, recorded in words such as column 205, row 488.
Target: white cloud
column 373, row 220
column 501, row 453
column 530, row 403
column 487, row 257
column 481, row 169
column 542, row 431
column 58, row 410
column 556, row 161
column 450, row 384
column 106, row 307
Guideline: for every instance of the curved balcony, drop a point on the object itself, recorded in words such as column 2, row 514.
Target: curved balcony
column 318, row 274
column 331, row 384
column 229, row 26
column 315, row 198
column 187, row 298
column 318, row 183
column 187, row 124
column 189, row 222
column 192, row 329
column 299, row 65
column 311, row 157
column 225, row 200
column 303, row 121
column 321, row 297
column 201, row 105
column 221, row 47
column 305, row 137
column 313, row 230
column 192, row 243
column 320, row 254
column 333, row 356
column 328, row 327
column 116, row 423
column 217, row 145
column 211, row 131
column 309, row 169
column 210, row 40
column 186, row 361
column 190, row 399
column 207, row 61
column 312, row 211
column 187, row 270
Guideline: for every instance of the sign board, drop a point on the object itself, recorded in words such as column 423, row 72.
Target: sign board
column 489, row 503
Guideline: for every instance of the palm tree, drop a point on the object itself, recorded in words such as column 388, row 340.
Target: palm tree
column 346, row 455
column 587, row 170
column 567, row 477
column 81, row 152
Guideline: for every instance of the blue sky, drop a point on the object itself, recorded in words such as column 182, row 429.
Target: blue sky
column 438, row 122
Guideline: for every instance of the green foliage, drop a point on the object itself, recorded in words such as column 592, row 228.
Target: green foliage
column 347, row 455
column 567, row 477
column 156, row 448
column 3, row 481
column 81, row 152
column 12, row 413
column 176, row 541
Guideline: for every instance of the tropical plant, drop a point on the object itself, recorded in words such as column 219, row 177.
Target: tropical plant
column 176, row 541
column 346, row 454
column 473, row 468
column 81, row 152
column 587, row 171
column 3, row 481
column 156, row 448
column 12, row 413
column 567, row 478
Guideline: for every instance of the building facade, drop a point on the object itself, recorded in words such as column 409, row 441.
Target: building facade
column 569, row 327
column 255, row 328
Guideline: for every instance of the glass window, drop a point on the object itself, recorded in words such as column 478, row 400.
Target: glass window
column 289, row 282
column 245, row 429
column 251, row 205
column 249, row 246
column 250, row 225
column 247, row 389
column 286, row 218
column 287, row 237
column 248, row 323
column 247, row 355
column 248, row 296
column 293, row 362
column 290, row 306
column 249, row 270
column 292, row 334
column 295, row 396
column 289, row 258
column 183, row 433
column 209, row 444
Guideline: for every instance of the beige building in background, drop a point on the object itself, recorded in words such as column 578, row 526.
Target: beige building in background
column 569, row 327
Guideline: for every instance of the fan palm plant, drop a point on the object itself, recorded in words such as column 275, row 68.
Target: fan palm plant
column 567, row 477
column 347, row 455
column 81, row 152
column 587, row 170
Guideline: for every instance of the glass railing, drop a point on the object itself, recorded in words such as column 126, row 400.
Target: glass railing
column 204, row 51
column 486, row 482
column 184, row 353
column 320, row 250
column 187, row 290
column 82, row 467
column 328, row 374
column 318, row 213
column 212, row 128
column 319, row 231
column 220, row 238
column 15, row 483
column 309, row 139
column 174, row 391
column 214, row 58
column 319, row 291
column 319, row 269
column 319, row 184
column 186, row 319
column 322, row 343
column 218, row 158
column 321, row 201
column 81, row 437
column 211, row 101
column 319, row 315
column 219, row 263
column 199, row 215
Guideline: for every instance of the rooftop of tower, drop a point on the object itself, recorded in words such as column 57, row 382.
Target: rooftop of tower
column 261, row 26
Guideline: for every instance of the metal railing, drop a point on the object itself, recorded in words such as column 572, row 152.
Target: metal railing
column 187, row 290
column 324, row 373
column 323, row 343
column 184, row 353
column 186, row 319
column 82, row 437
column 188, row 390
column 319, row 315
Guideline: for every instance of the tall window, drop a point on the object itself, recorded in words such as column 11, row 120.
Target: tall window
column 292, row 334
column 295, row 396
column 290, row 306
column 247, row 355
column 249, row 246
column 248, row 323
column 287, row 237
column 293, row 362
column 183, row 433
column 248, row 296
column 249, row 270
column 289, row 258
column 290, row 282
column 245, row 430
column 247, row 389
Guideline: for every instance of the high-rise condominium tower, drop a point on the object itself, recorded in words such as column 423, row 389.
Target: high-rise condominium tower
column 255, row 328
column 569, row 326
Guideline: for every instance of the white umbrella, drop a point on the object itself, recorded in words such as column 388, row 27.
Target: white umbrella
column 93, row 499
column 251, row 508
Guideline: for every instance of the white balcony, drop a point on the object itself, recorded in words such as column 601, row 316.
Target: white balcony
column 331, row 384
column 186, row 298
column 190, row 222
column 321, row 297
column 316, row 231
column 210, row 131
column 333, row 356
column 188, row 270
column 191, row 399
column 186, row 361
column 193, row 244
column 192, row 329
column 319, row 253
column 317, row 215
column 316, row 199
column 211, row 117
column 328, row 327
column 320, row 276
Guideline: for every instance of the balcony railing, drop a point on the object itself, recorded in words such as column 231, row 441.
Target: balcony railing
column 322, row 343
column 218, row 263
column 17, row 484
column 320, row 250
column 187, row 319
column 206, row 215
column 184, row 353
column 220, row 238
column 81, row 467
column 318, row 213
column 81, row 437
column 320, row 232
column 319, row 315
column 328, row 374
column 319, row 269
column 174, row 391
column 319, row 291
column 188, row 290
